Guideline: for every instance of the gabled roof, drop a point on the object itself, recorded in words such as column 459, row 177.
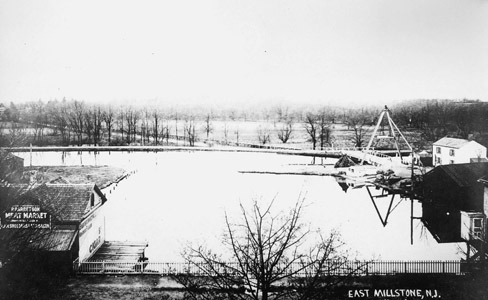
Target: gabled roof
column 65, row 202
column 451, row 142
column 464, row 175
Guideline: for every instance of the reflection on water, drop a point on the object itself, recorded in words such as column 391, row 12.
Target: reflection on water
column 176, row 198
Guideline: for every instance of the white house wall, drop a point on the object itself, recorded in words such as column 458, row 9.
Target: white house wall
column 474, row 150
column 461, row 155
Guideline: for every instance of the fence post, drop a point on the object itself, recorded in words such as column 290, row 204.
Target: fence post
column 103, row 266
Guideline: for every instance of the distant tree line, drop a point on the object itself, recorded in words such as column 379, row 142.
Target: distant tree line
column 74, row 122
column 435, row 119
column 77, row 123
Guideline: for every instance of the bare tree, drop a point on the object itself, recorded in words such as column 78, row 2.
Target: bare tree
column 285, row 131
column 120, row 121
column 264, row 135
column 76, row 119
column 93, row 124
column 208, row 126
column 108, row 117
column 145, row 128
column 311, row 127
column 88, row 124
column 269, row 259
column 156, row 124
column 325, row 132
column 37, row 118
column 236, row 132
column 357, row 123
column 132, row 119
column 16, row 135
column 165, row 131
column 282, row 113
column 190, row 131
column 98, row 131
column 61, row 122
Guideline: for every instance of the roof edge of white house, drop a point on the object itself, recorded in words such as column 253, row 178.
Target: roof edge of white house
column 462, row 142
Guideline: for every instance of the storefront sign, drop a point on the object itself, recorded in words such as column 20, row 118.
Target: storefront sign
column 25, row 216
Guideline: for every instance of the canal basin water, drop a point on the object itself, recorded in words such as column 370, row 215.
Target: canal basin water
column 173, row 199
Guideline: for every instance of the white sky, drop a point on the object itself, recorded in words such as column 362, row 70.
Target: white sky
column 236, row 51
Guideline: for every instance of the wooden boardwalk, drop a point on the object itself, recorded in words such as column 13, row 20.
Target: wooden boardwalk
column 127, row 251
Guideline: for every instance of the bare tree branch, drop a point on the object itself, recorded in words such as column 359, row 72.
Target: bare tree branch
column 269, row 258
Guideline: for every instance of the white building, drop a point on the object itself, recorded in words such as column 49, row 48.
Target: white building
column 457, row 151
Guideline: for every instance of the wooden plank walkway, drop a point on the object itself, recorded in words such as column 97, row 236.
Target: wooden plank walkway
column 126, row 251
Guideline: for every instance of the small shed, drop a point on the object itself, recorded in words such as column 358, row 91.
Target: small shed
column 448, row 190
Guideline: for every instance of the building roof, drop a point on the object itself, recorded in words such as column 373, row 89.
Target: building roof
column 58, row 240
column 451, row 142
column 65, row 202
column 102, row 176
column 463, row 175
column 40, row 239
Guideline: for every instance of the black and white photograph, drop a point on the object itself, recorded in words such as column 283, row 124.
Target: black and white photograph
column 243, row 149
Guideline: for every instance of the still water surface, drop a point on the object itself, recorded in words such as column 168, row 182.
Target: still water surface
column 176, row 198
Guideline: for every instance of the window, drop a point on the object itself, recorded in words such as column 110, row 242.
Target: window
column 438, row 150
column 451, row 162
column 477, row 227
column 438, row 160
column 451, row 152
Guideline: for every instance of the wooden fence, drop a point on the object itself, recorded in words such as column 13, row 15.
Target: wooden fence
column 333, row 268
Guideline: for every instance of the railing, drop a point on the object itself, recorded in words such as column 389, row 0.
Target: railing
column 248, row 145
column 332, row 268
